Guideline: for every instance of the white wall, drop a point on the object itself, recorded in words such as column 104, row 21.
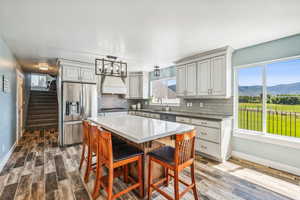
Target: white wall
column 276, row 155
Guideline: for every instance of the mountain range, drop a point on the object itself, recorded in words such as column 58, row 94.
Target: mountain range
column 255, row 90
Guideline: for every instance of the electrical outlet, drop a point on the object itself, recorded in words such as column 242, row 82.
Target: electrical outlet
column 201, row 105
column 191, row 104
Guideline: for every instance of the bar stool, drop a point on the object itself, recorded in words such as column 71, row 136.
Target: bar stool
column 113, row 157
column 176, row 160
column 85, row 141
column 88, row 136
column 90, row 132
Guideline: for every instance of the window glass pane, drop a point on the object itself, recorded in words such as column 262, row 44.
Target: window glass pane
column 163, row 91
column 38, row 80
column 283, row 98
column 250, row 98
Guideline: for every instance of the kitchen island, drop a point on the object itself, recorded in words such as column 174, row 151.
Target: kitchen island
column 144, row 133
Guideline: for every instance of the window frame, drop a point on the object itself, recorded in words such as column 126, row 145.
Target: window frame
column 163, row 104
column 262, row 136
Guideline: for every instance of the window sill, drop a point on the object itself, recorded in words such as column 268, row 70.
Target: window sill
column 268, row 138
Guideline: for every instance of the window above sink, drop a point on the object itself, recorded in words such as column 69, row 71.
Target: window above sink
column 163, row 88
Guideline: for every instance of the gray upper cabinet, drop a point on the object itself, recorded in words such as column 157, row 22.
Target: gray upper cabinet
column 191, row 79
column 186, row 82
column 181, row 80
column 138, row 85
column 77, row 72
column 206, row 75
column 88, row 75
column 218, row 76
column 134, row 87
column 71, row 73
column 203, row 80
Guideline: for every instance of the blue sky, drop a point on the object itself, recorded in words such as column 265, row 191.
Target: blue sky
column 277, row 73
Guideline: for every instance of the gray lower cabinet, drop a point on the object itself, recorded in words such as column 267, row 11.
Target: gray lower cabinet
column 213, row 138
column 72, row 133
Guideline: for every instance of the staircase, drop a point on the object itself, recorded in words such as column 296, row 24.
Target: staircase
column 42, row 110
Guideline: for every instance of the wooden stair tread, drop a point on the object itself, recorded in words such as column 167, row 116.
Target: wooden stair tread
column 42, row 109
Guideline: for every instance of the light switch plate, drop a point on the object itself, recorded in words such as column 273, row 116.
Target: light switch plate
column 6, row 85
column 201, row 105
column 1, row 83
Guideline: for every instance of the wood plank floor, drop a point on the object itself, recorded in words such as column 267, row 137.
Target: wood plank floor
column 38, row 169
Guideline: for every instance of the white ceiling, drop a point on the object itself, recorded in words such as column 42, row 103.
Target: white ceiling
column 142, row 32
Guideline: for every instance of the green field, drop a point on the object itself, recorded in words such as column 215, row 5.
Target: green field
column 281, row 119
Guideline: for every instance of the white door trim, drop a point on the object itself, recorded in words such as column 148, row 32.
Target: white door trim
column 7, row 156
column 21, row 76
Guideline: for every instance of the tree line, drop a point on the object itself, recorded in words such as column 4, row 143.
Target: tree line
column 272, row 99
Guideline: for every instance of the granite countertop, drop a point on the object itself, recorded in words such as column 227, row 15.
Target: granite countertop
column 140, row 129
column 188, row 114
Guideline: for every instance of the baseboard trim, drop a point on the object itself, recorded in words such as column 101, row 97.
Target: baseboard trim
column 268, row 163
column 6, row 157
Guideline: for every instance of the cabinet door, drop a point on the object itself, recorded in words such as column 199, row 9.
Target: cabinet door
column 88, row 75
column 77, row 133
column 134, row 87
column 71, row 73
column 191, row 79
column 180, row 80
column 218, row 75
column 67, row 136
column 203, row 77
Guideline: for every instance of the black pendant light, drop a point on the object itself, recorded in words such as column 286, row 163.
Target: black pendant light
column 156, row 71
column 110, row 67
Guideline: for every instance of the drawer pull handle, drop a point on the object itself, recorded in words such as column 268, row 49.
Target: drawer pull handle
column 203, row 133
column 203, row 122
column 203, row 147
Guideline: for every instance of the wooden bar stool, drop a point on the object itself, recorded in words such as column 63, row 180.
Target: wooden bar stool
column 114, row 157
column 89, row 134
column 85, row 141
column 176, row 160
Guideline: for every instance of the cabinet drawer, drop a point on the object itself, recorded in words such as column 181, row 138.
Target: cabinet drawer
column 138, row 113
column 207, row 123
column 210, row 134
column 183, row 120
column 155, row 116
column 131, row 112
column 146, row 114
column 208, row 148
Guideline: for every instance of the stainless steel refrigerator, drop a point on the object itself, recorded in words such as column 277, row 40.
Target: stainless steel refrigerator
column 79, row 102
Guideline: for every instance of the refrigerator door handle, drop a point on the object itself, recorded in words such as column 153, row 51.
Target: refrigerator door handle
column 78, row 107
column 82, row 103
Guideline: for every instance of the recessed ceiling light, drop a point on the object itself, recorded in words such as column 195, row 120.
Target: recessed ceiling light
column 44, row 68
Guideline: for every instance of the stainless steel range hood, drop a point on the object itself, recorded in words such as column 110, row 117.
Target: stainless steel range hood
column 113, row 85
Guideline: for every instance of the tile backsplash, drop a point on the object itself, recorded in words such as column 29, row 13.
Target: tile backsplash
column 112, row 101
column 210, row 106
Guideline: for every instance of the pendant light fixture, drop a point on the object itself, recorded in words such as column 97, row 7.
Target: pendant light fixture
column 110, row 67
column 156, row 71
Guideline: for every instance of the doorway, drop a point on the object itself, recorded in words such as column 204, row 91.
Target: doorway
column 20, row 105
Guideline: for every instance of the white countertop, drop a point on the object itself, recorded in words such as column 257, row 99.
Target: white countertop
column 140, row 129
